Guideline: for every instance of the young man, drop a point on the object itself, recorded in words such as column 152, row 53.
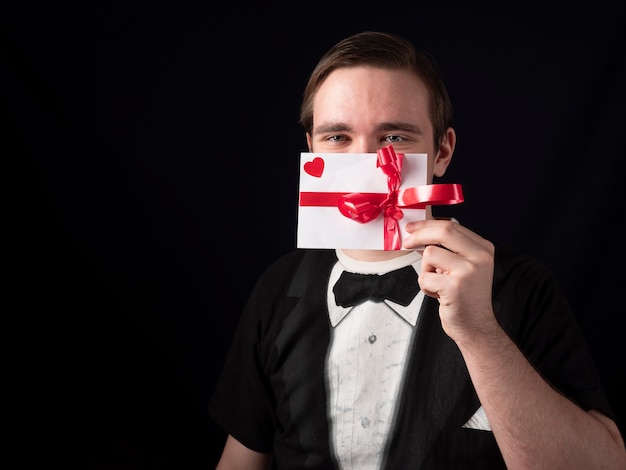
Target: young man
column 484, row 367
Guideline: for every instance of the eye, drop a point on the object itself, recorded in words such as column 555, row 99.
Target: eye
column 393, row 139
column 336, row 138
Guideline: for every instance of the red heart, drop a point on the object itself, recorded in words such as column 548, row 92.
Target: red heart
column 315, row 167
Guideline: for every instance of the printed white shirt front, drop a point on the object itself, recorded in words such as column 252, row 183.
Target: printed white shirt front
column 366, row 365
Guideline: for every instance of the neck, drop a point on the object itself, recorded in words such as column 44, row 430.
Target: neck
column 374, row 255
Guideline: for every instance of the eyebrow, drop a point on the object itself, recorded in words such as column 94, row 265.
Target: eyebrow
column 400, row 126
column 332, row 127
column 383, row 126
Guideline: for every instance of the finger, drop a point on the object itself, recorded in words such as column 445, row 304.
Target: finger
column 439, row 260
column 431, row 232
column 430, row 283
column 447, row 234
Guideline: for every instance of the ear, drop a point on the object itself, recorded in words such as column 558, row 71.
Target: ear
column 308, row 142
column 444, row 154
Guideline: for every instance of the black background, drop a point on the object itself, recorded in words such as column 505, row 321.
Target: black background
column 151, row 153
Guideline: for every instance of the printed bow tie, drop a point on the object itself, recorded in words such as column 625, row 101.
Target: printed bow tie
column 399, row 286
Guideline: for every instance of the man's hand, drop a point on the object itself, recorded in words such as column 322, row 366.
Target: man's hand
column 457, row 269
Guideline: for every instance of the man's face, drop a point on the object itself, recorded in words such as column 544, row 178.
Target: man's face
column 361, row 109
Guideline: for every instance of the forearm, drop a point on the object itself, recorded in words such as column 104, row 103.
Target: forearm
column 236, row 456
column 534, row 425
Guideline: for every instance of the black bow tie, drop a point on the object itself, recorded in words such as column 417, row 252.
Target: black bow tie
column 400, row 286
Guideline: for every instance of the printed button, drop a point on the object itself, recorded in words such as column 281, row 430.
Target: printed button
column 365, row 422
column 372, row 339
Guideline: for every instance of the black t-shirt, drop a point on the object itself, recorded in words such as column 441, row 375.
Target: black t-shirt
column 272, row 394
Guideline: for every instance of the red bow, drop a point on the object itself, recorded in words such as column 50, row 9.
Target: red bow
column 364, row 207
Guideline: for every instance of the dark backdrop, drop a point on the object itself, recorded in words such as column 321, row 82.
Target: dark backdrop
column 156, row 148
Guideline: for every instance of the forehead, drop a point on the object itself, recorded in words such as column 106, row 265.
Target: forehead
column 366, row 94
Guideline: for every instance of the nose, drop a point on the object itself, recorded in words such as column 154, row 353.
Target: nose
column 364, row 145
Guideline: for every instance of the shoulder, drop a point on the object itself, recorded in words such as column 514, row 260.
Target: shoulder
column 526, row 290
column 298, row 259
column 512, row 265
column 294, row 269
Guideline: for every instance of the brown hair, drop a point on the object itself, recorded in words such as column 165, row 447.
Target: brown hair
column 384, row 50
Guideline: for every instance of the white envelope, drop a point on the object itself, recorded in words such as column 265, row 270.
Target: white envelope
column 325, row 226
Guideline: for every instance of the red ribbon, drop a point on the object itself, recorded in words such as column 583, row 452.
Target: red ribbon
column 365, row 207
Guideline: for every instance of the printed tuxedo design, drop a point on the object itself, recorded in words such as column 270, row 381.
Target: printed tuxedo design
column 273, row 396
column 365, row 362
column 436, row 392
